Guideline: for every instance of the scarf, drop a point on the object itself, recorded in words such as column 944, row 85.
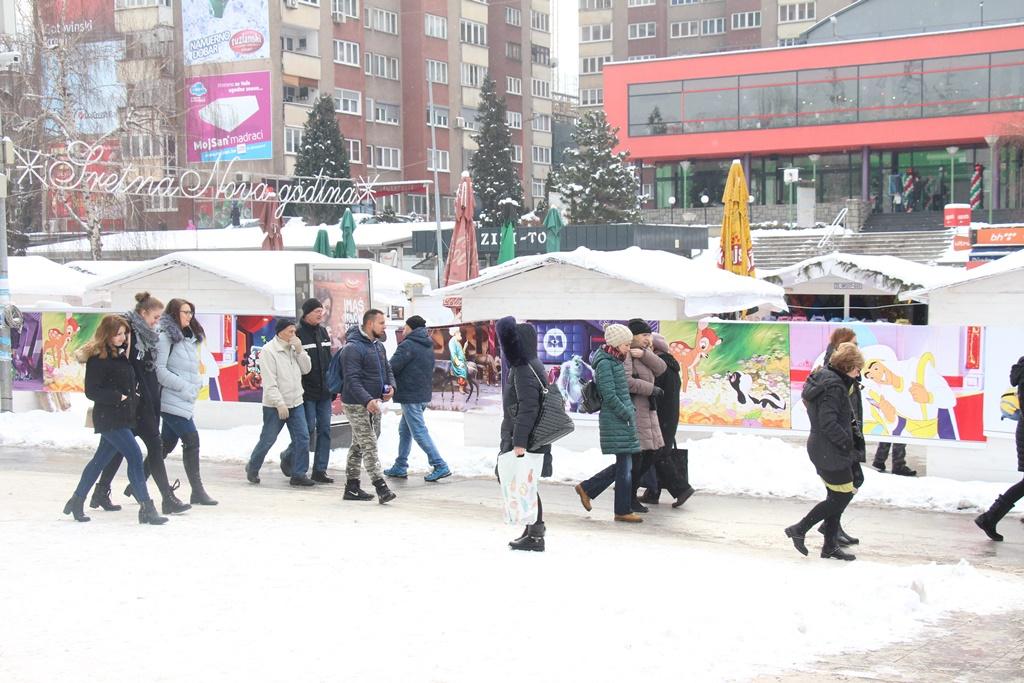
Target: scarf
column 145, row 336
column 613, row 352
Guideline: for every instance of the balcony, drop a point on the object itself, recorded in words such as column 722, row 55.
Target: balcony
column 301, row 64
column 294, row 13
column 131, row 19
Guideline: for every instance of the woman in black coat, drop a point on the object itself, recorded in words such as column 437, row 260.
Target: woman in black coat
column 111, row 384
column 521, row 405
column 831, row 446
column 142, row 342
column 987, row 520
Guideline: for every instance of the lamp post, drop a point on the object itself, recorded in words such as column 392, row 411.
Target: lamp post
column 686, row 169
column 815, row 158
column 992, row 141
column 671, row 210
column 704, row 199
column 952, row 150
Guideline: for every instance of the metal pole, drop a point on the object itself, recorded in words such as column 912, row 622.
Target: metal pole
column 952, row 177
column 792, row 220
column 6, row 373
column 437, row 185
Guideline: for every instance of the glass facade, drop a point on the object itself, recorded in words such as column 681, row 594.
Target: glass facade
column 946, row 86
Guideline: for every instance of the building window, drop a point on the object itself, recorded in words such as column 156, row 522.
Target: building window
column 540, row 55
column 684, row 29
column 387, row 158
column 788, row 42
column 712, row 27
column 348, row 101
column 540, row 88
column 435, row 26
column 438, row 160
column 437, row 72
column 540, row 21
column 468, row 118
column 595, row 33
column 345, row 8
column 381, row 20
column 640, row 58
column 514, row 119
column 593, row 65
column 381, row 66
column 513, row 16
column 355, row 151
column 642, row 30
column 417, row 204
column 386, row 113
column 473, row 75
column 440, row 116
column 541, row 155
column 292, row 140
column 591, row 96
column 537, row 188
column 541, row 123
column 800, row 11
column 595, row 4
column 517, row 154
column 159, row 203
column 742, row 20
column 391, row 201
column 473, row 32
column 640, row 3
column 513, row 85
column 676, row 3
column 514, row 51
column 346, row 52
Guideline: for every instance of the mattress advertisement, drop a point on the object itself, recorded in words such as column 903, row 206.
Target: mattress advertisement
column 229, row 117
column 225, row 31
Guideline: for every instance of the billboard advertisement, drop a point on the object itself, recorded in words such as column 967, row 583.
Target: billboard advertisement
column 72, row 18
column 85, row 95
column 225, row 31
column 229, row 117
column 345, row 295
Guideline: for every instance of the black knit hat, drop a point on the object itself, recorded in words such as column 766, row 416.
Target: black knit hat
column 638, row 326
column 415, row 322
column 310, row 305
column 282, row 324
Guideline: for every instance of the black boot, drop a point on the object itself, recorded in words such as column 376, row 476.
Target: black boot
column 526, row 532
column 74, row 507
column 636, row 506
column 533, row 540
column 842, row 538
column 148, row 514
column 321, row 478
column 831, row 548
column 170, row 505
column 101, row 499
column 796, row 534
column 683, row 497
column 651, row 496
column 190, row 458
column 836, row 553
column 987, row 520
column 384, row 494
column 354, row 492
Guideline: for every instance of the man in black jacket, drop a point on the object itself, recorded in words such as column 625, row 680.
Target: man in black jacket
column 316, row 399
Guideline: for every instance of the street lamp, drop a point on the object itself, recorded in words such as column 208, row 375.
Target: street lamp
column 671, row 210
column 704, row 199
column 993, row 165
column 686, row 197
column 952, row 150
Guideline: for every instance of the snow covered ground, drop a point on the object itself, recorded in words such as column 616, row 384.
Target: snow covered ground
column 724, row 463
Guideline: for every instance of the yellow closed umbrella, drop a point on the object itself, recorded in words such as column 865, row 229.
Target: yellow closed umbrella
column 735, row 251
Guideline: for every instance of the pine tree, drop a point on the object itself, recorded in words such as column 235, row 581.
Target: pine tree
column 597, row 184
column 323, row 152
column 494, row 174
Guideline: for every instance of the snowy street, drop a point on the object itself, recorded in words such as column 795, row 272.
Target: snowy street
column 278, row 584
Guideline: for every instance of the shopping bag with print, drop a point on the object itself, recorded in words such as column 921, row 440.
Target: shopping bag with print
column 519, row 478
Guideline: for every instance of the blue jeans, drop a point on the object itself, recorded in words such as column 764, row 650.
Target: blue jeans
column 175, row 427
column 412, row 427
column 113, row 442
column 622, row 474
column 272, row 426
column 318, row 421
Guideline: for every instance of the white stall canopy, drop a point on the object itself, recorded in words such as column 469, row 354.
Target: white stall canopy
column 38, row 282
column 839, row 273
column 603, row 285
column 990, row 294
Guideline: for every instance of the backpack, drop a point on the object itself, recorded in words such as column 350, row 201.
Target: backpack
column 335, row 376
column 591, row 397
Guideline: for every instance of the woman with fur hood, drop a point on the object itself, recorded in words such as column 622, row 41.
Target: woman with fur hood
column 521, row 401
column 177, row 370
column 987, row 520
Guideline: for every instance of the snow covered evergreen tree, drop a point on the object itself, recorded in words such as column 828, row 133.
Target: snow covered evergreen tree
column 494, row 174
column 597, row 185
column 323, row 152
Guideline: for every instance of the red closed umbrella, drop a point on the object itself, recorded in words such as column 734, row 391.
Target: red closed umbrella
column 463, row 261
column 271, row 224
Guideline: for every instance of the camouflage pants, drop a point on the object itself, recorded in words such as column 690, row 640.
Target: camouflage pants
column 365, row 431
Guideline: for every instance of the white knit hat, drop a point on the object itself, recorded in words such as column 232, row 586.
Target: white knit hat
column 616, row 335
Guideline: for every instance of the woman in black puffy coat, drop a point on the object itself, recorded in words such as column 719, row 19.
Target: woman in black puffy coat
column 111, row 383
column 987, row 520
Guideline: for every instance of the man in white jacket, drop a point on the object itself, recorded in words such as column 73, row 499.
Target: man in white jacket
column 282, row 363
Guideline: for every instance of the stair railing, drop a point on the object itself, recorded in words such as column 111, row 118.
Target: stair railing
column 826, row 244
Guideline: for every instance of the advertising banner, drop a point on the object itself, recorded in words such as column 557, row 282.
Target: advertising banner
column 467, row 368
column 63, row 334
column 84, row 96
column 1002, row 349
column 345, row 295
column 229, row 117
column 27, row 354
column 72, row 18
column 225, row 31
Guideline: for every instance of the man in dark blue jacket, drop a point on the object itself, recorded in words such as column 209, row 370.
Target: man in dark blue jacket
column 368, row 382
column 413, row 365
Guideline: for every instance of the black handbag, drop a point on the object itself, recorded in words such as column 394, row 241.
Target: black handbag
column 553, row 422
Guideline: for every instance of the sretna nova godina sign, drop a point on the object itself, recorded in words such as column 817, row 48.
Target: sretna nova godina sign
column 83, row 168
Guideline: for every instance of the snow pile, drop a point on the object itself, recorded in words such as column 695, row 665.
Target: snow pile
column 35, row 278
column 1010, row 263
column 723, row 464
column 881, row 272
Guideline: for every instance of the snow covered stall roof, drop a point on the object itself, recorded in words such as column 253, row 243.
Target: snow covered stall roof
column 37, row 282
column 888, row 274
column 1010, row 268
column 249, row 282
column 601, row 285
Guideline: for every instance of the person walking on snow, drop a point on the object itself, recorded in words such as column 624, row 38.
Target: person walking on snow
column 283, row 362
column 316, row 400
column 617, row 424
column 831, row 446
column 987, row 520
column 413, row 367
column 368, row 383
column 642, row 368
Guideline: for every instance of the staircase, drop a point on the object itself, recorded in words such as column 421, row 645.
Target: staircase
column 779, row 251
column 932, row 220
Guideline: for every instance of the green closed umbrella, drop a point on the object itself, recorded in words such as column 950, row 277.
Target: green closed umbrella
column 346, row 248
column 322, row 245
column 507, row 246
column 553, row 227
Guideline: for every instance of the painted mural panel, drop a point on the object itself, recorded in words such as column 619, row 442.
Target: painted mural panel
column 467, row 368
column 27, row 354
column 63, row 334
column 1003, row 346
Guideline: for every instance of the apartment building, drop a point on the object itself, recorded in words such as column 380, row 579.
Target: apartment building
column 635, row 30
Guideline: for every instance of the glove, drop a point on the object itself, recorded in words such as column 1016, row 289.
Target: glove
column 657, row 392
column 296, row 344
column 282, row 411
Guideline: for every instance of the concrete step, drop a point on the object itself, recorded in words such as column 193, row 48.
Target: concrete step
column 778, row 251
